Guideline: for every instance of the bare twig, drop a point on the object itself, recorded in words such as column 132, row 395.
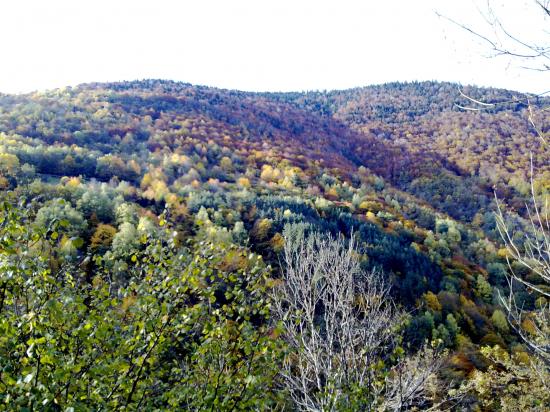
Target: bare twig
column 535, row 256
column 339, row 321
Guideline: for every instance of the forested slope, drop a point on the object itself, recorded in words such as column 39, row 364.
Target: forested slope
column 120, row 181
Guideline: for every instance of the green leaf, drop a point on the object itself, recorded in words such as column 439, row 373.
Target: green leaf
column 77, row 242
column 46, row 359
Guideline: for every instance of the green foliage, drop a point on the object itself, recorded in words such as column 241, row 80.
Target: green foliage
column 499, row 320
column 185, row 332
column 126, row 213
column 483, row 289
column 126, row 241
column 452, row 325
column 60, row 214
column 98, row 201
column 497, row 273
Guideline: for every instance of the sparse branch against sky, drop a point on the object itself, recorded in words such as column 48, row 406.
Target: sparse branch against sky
column 254, row 45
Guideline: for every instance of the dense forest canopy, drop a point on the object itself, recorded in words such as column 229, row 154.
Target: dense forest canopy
column 144, row 225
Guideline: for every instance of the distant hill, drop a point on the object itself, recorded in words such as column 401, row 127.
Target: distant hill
column 406, row 133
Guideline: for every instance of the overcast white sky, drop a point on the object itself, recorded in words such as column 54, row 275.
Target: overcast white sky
column 253, row 44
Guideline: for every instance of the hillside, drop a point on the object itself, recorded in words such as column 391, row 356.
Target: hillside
column 116, row 170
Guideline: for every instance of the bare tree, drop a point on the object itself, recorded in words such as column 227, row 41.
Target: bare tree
column 340, row 324
column 533, row 325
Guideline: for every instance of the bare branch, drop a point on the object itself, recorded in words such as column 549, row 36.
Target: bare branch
column 535, row 256
column 474, row 100
column 505, row 43
column 339, row 322
column 544, row 6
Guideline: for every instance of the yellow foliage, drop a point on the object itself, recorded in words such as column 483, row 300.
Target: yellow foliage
column 8, row 162
column 226, row 164
column 146, row 180
column 179, row 210
column 511, row 383
column 374, row 206
column 261, row 228
column 97, row 282
column 371, row 217
column 529, row 326
column 277, row 175
column 103, row 236
column 156, row 191
column 409, row 224
column 243, row 182
column 171, row 199
column 432, row 301
column 134, row 166
column 331, row 194
column 127, row 302
column 364, row 205
column 287, row 183
column 522, row 357
column 267, row 173
column 502, row 252
column 4, row 183
column 292, row 171
column 277, row 242
column 73, row 182
column 178, row 159
column 232, row 261
column 270, row 174
column 213, row 181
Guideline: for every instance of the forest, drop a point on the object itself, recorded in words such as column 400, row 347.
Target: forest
column 165, row 246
